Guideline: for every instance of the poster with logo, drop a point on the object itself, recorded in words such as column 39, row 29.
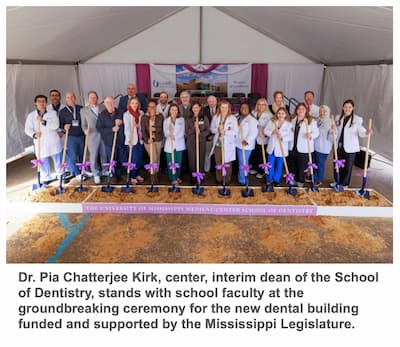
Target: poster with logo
column 218, row 79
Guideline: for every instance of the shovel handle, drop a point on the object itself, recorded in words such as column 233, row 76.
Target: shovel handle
column 281, row 148
column 334, row 143
column 65, row 148
column 367, row 152
column 308, row 145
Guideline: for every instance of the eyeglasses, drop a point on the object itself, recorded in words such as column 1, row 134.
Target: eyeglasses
column 151, row 107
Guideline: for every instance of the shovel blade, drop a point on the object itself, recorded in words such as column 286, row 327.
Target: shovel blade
column 338, row 188
column 152, row 189
column 198, row 190
column 313, row 188
column 107, row 189
column 363, row 193
column 127, row 189
column 38, row 186
column 80, row 189
column 174, row 189
column 224, row 192
column 291, row 191
column 60, row 190
column 247, row 192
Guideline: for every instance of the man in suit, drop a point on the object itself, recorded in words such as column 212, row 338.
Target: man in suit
column 131, row 93
column 97, row 150
column 209, row 111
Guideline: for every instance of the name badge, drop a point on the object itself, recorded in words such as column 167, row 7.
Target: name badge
column 201, row 122
column 75, row 123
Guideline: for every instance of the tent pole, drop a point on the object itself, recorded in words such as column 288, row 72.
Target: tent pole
column 81, row 98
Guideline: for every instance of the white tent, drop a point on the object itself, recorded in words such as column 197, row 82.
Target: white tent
column 339, row 52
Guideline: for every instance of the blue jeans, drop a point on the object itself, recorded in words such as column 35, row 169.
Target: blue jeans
column 275, row 172
column 319, row 159
column 137, row 158
column 45, row 170
column 75, row 148
column 239, row 155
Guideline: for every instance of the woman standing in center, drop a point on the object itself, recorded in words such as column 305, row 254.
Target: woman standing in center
column 153, row 121
column 196, row 124
column 174, row 132
column 132, row 118
column 298, row 156
column 225, row 127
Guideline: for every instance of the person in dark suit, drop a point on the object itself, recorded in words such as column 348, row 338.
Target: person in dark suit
column 123, row 101
column 210, row 111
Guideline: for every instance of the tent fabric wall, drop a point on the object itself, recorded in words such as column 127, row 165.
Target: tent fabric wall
column 106, row 79
column 371, row 88
column 294, row 80
column 24, row 82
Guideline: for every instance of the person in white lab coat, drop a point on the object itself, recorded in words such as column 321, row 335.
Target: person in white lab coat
column 224, row 123
column 322, row 144
column 298, row 156
column 262, row 114
column 42, row 123
column 348, row 129
column 132, row 118
column 249, row 132
column 174, row 131
column 56, row 105
column 277, row 126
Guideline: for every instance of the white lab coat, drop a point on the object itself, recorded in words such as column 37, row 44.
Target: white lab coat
column 314, row 110
column 160, row 110
column 262, row 123
column 350, row 136
column 127, row 119
column 323, row 143
column 50, row 107
column 273, row 143
column 50, row 141
column 179, row 134
column 250, row 133
column 230, row 138
column 302, row 146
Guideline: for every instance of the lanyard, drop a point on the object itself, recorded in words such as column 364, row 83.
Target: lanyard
column 73, row 112
column 96, row 114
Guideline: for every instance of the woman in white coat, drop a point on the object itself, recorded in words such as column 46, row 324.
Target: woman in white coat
column 348, row 129
column 322, row 144
column 132, row 118
column 262, row 115
column 174, row 131
column 224, row 123
column 249, row 132
column 298, row 156
column 43, row 124
column 278, row 126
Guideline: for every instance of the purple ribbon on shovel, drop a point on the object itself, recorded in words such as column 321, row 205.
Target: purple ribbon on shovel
column 83, row 166
column 111, row 165
column 173, row 166
column 222, row 167
column 63, row 166
column 310, row 165
column 129, row 166
column 361, row 174
column 289, row 178
column 36, row 162
column 265, row 167
column 153, row 166
column 199, row 176
column 245, row 168
column 339, row 163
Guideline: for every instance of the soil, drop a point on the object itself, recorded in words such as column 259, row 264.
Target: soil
column 325, row 197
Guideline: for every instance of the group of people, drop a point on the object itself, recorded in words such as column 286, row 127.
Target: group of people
column 192, row 136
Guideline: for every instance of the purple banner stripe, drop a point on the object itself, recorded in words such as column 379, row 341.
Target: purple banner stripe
column 210, row 209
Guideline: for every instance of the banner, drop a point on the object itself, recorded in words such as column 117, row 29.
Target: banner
column 218, row 79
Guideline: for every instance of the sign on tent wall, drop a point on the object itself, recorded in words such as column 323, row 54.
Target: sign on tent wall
column 223, row 79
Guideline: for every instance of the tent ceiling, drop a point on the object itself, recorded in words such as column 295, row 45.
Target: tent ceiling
column 329, row 35
column 75, row 33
